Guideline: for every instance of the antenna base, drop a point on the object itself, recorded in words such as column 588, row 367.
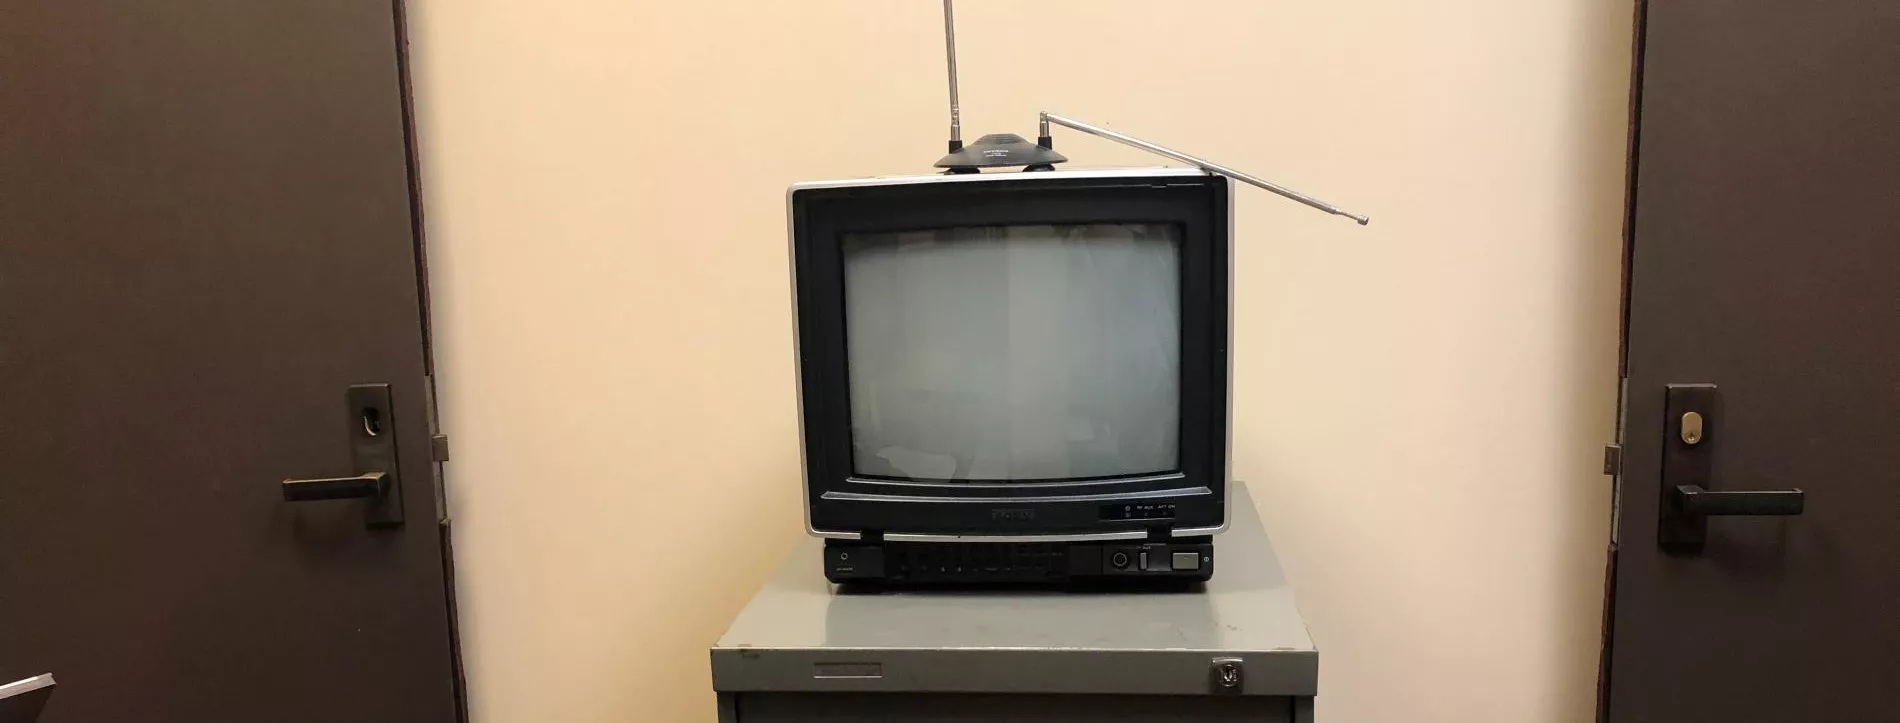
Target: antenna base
column 998, row 150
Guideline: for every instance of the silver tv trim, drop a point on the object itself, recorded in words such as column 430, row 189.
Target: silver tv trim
column 995, row 177
column 1084, row 537
column 1104, row 497
column 26, row 685
column 791, row 263
column 1055, row 485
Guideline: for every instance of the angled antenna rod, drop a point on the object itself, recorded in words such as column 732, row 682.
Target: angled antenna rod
column 950, row 58
column 1201, row 163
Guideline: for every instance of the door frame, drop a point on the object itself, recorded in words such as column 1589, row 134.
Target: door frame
column 1613, row 453
column 438, row 440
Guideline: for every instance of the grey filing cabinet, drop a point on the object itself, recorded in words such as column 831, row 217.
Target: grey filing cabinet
column 802, row 652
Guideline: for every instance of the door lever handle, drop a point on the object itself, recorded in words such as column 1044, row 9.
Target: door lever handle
column 1694, row 500
column 1690, row 437
column 371, row 426
column 368, row 484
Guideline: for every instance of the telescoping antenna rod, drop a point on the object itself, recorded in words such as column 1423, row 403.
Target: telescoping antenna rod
column 1201, row 163
column 950, row 59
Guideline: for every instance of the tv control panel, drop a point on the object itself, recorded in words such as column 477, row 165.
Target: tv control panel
column 1017, row 562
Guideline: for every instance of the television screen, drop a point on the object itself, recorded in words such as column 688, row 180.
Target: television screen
column 1015, row 353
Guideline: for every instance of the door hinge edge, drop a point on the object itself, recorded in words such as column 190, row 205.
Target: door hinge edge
column 1613, row 460
column 438, row 451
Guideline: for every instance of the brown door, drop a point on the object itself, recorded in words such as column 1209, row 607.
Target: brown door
column 207, row 236
column 1764, row 261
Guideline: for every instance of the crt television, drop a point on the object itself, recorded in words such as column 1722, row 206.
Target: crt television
column 1015, row 376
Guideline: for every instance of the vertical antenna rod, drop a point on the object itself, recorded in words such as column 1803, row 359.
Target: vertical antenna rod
column 950, row 56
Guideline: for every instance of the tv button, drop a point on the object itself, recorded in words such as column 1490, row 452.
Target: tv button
column 1187, row 561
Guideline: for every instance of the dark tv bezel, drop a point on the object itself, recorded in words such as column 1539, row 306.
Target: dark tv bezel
column 841, row 505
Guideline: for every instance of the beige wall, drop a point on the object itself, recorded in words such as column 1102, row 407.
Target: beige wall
column 1419, row 402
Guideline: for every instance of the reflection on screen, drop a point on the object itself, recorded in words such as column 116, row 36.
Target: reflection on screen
column 1014, row 352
